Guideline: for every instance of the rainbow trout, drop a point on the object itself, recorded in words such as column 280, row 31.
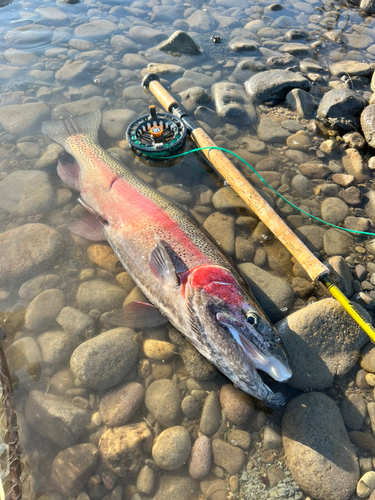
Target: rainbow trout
column 175, row 264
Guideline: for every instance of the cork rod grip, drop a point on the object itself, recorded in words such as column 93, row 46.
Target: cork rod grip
column 314, row 268
column 162, row 95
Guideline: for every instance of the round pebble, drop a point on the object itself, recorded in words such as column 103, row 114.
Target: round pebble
column 171, row 448
column 200, row 460
column 237, row 405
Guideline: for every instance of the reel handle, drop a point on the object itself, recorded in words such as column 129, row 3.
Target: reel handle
column 152, row 83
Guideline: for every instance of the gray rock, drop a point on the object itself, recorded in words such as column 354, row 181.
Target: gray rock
column 122, row 43
column 355, row 164
column 273, row 85
column 190, row 408
column 199, row 79
column 119, row 405
column 302, row 186
column 176, row 486
column 78, row 325
column 302, row 102
column 200, row 460
column 368, row 124
column 312, row 237
column 281, row 61
column 352, row 195
column 221, row 228
column 30, row 36
column 232, row 103
column 177, row 193
column 146, row 35
column 270, row 131
column 56, row 418
column 56, row 347
column 163, row 400
column 99, row 294
column 79, row 107
column 19, row 119
column 42, row 312
column 31, row 288
column 201, row 20
column 95, row 29
column 104, row 361
column 180, row 43
column 246, row 68
column 229, row 457
column 196, row 95
column 19, row 58
column 146, row 480
column 82, row 45
column 171, row 448
column 322, row 341
column 320, row 456
column 273, row 293
column 334, row 210
column 341, row 109
column 354, row 411
column 341, row 275
column 368, row 6
column 351, row 68
column 24, row 359
column 297, row 49
column 73, row 70
column 271, row 438
column 116, row 121
column 242, row 44
column 337, row 243
column 237, row 405
column 72, row 467
column 211, row 414
column 26, row 192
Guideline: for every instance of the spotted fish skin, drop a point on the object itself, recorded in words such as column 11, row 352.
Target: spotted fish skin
column 174, row 262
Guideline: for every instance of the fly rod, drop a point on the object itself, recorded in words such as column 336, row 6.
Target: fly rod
column 312, row 265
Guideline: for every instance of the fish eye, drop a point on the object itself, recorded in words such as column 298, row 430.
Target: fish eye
column 252, row 318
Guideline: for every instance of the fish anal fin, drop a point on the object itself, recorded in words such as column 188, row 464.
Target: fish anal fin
column 136, row 315
column 69, row 173
column 88, row 227
column 162, row 266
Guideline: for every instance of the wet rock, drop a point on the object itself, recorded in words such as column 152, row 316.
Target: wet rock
column 312, row 236
column 322, row 341
column 146, row 480
column 271, row 438
column 24, row 359
column 211, row 414
column 78, row 325
column 177, row 193
column 297, row 49
column 273, row 293
column 101, row 295
column 236, row 405
column 56, row 347
column 180, row 43
column 301, row 102
column 319, row 454
column 229, row 457
column 19, row 58
column 226, row 198
column 104, row 361
column 163, row 399
column 19, row 119
column 341, row 275
column 270, row 131
column 119, row 405
column 351, row 68
column 171, row 448
column 368, row 124
column 30, row 35
column 95, row 29
column 196, row 365
column 239, row 438
column 174, row 486
column 158, row 350
column 190, row 408
column 104, row 257
column 334, row 210
column 354, row 164
column 363, row 440
column 337, row 242
column 122, row 43
column 42, row 312
column 366, row 484
column 353, row 411
column 49, row 156
column 232, row 103
column 31, row 288
column 79, row 107
column 246, row 68
column 242, row 44
column 352, row 195
column 72, row 70
column 201, row 20
column 341, row 109
column 26, row 193
column 56, row 418
column 146, row 35
column 273, row 85
column 72, row 467
column 123, row 449
column 116, row 121
column 221, row 228
column 196, row 95
column 300, row 140
column 314, row 170
column 200, row 460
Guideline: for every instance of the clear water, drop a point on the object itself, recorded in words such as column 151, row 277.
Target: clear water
column 33, row 80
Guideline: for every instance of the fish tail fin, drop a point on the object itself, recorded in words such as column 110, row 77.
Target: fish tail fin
column 61, row 130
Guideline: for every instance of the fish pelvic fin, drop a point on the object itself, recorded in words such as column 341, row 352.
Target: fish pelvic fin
column 61, row 130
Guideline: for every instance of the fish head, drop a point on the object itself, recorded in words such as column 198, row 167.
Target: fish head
column 218, row 302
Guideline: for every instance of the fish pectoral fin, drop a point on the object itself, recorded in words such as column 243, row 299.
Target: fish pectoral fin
column 88, row 227
column 162, row 266
column 93, row 212
column 137, row 315
column 69, row 173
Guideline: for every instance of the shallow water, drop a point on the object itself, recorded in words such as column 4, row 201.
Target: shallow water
column 55, row 288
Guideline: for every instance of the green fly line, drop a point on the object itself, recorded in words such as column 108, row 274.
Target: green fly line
column 265, row 182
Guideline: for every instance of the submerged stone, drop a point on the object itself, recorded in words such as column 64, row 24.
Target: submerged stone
column 180, row 43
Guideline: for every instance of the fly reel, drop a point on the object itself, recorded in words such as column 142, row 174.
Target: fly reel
column 156, row 134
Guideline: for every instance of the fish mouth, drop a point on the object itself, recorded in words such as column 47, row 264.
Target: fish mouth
column 276, row 365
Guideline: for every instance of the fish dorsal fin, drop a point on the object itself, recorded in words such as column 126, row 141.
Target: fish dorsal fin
column 69, row 173
column 88, row 227
column 162, row 266
column 136, row 315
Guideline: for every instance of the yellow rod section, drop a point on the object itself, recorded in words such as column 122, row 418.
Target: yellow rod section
column 349, row 307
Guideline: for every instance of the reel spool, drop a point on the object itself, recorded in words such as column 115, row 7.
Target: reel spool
column 156, row 134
